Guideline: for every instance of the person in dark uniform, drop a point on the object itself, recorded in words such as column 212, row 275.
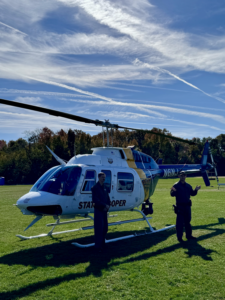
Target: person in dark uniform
column 182, row 191
column 101, row 203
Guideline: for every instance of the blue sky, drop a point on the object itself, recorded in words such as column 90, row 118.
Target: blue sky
column 140, row 64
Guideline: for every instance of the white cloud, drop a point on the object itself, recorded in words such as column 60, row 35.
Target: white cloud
column 71, row 88
column 30, row 100
column 44, row 93
column 169, row 48
column 125, row 29
column 189, row 106
column 196, row 125
column 126, row 117
column 123, row 115
column 151, row 108
column 10, row 120
column 25, row 11
column 152, row 87
column 36, row 55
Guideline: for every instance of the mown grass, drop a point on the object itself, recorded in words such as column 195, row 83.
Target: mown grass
column 154, row 266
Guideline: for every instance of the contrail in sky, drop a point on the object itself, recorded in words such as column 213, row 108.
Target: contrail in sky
column 70, row 88
column 138, row 62
column 12, row 28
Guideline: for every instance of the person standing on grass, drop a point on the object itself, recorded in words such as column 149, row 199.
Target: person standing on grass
column 101, row 203
column 182, row 191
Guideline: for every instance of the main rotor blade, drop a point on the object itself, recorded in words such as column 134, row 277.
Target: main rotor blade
column 85, row 120
column 161, row 134
column 51, row 112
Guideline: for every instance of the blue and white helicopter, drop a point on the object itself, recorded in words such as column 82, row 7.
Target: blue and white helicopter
column 64, row 191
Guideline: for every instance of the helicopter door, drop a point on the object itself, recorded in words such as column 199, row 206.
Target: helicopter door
column 123, row 196
column 83, row 198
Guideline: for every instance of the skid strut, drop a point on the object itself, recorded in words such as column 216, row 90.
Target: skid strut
column 57, row 223
column 128, row 236
column 50, row 233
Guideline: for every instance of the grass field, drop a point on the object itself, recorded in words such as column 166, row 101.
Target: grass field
column 154, row 266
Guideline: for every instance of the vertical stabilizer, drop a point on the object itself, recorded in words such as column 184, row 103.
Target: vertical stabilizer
column 204, row 163
column 205, row 154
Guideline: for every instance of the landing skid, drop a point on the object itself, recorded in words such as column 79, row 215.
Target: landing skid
column 124, row 237
column 128, row 236
column 88, row 218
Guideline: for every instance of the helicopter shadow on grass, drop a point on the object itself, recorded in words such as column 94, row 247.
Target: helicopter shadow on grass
column 192, row 246
column 63, row 254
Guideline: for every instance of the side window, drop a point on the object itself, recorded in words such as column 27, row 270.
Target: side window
column 125, row 182
column 89, row 181
column 107, row 180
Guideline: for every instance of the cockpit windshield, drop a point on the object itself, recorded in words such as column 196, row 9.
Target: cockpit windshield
column 62, row 182
column 37, row 186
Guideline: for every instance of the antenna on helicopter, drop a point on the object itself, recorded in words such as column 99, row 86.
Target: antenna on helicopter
column 107, row 131
column 74, row 144
column 103, row 136
column 112, row 136
column 107, row 125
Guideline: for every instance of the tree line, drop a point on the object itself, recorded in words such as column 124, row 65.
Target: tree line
column 23, row 161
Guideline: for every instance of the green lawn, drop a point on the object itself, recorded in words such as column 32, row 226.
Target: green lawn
column 154, row 266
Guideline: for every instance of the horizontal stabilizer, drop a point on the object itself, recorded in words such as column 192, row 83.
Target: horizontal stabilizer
column 192, row 171
column 205, row 178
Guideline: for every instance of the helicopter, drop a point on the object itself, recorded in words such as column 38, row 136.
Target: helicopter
column 64, row 191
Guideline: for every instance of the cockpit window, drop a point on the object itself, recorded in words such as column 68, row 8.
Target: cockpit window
column 37, row 186
column 63, row 181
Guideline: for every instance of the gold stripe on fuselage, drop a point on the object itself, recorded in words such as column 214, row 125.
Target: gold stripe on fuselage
column 146, row 182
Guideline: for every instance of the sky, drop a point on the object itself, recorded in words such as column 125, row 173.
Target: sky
column 140, row 64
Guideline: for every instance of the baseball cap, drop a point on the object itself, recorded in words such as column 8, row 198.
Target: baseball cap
column 182, row 173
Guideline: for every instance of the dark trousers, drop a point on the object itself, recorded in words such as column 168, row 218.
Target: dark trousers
column 183, row 220
column 100, row 227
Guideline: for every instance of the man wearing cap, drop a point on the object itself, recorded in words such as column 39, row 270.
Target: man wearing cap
column 101, row 203
column 182, row 191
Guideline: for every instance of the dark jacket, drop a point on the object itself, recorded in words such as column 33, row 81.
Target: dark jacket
column 100, row 196
column 183, row 193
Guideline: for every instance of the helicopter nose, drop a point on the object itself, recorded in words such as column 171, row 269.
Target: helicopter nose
column 25, row 201
column 32, row 201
